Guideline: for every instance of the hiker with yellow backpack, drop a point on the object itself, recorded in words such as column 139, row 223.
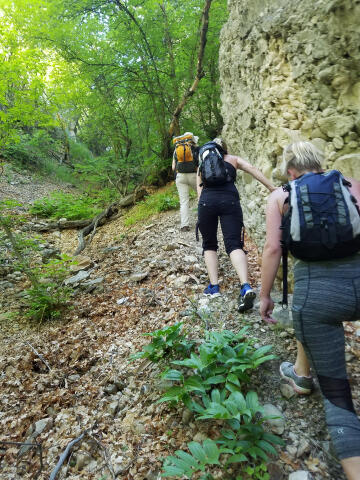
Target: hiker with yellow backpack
column 184, row 165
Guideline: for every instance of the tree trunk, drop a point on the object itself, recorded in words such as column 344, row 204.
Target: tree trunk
column 199, row 70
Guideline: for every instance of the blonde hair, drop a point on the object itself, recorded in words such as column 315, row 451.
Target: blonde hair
column 303, row 156
column 222, row 144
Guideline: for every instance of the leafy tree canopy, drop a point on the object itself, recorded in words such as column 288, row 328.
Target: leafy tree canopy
column 110, row 74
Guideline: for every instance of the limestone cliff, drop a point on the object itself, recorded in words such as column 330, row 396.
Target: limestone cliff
column 290, row 70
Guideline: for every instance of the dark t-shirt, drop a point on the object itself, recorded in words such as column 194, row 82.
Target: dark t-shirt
column 228, row 187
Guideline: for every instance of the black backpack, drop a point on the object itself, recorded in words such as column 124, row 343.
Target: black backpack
column 322, row 221
column 212, row 167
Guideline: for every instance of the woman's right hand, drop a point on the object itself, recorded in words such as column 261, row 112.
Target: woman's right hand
column 266, row 309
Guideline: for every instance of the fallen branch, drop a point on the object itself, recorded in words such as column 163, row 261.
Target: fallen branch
column 64, row 455
column 108, row 212
column 39, row 355
column 72, row 224
column 104, row 215
column 60, row 225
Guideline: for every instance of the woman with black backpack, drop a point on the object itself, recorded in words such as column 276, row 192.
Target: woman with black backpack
column 219, row 200
column 326, row 291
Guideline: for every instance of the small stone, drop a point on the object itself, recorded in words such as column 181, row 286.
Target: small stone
column 82, row 459
column 300, row 475
column 82, row 263
column 110, row 389
column 200, row 437
column 338, row 143
column 180, row 282
column 283, row 334
column 138, row 277
column 170, row 247
column 277, row 425
column 292, row 450
column 74, row 378
column 282, row 316
column 93, row 283
column 139, row 428
column 82, row 275
column 287, row 391
column 121, row 301
column 190, row 259
column 304, row 447
column 349, row 356
column 187, row 416
column 153, row 475
column 113, row 408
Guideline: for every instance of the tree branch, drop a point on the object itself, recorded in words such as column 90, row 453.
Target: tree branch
column 199, row 69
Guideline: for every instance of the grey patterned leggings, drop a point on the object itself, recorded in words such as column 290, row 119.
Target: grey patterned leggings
column 325, row 295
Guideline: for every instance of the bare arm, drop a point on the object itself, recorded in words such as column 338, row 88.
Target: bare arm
column 271, row 253
column 173, row 166
column 355, row 189
column 198, row 182
column 254, row 172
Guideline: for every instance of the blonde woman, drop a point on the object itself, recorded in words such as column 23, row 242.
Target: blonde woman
column 326, row 294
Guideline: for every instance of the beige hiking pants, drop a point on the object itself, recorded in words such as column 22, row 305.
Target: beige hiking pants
column 184, row 181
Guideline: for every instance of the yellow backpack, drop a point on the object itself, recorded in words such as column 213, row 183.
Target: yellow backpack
column 184, row 153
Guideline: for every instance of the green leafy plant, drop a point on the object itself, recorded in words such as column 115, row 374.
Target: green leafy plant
column 223, row 359
column 65, row 205
column 221, row 368
column 257, row 472
column 47, row 297
column 186, row 464
column 166, row 341
column 153, row 204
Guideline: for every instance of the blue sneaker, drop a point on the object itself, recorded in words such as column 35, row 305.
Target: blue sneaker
column 246, row 298
column 212, row 291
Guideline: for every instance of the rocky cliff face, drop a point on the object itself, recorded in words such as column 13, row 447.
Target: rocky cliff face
column 290, row 70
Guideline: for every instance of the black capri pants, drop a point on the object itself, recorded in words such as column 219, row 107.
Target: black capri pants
column 226, row 207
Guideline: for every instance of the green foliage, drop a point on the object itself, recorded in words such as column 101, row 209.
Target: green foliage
column 257, row 472
column 65, row 205
column 186, row 464
column 40, row 151
column 49, row 299
column 210, row 382
column 168, row 341
column 153, row 204
column 117, row 87
column 224, row 359
column 79, row 152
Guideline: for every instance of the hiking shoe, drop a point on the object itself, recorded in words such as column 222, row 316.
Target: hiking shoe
column 301, row 385
column 246, row 298
column 186, row 228
column 212, row 291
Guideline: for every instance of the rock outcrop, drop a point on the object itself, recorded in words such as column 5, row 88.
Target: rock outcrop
column 290, row 70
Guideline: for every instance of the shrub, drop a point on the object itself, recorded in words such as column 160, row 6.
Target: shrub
column 40, row 151
column 65, row 205
column 47, row 297
column 210, row 382
column 153, row 204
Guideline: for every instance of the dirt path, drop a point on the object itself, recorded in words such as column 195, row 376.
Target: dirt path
column 25, row 187
column 92, row 385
